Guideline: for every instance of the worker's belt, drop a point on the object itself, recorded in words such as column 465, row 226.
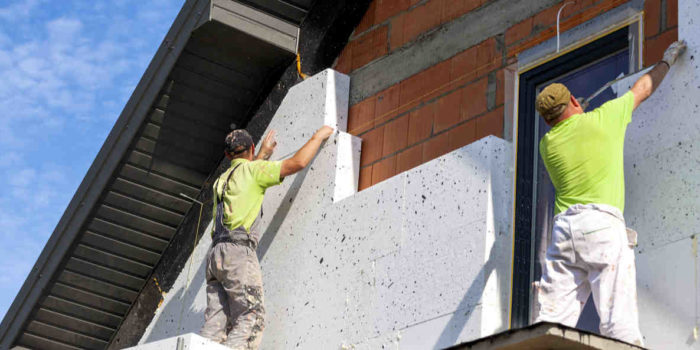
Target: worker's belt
column 246, row 242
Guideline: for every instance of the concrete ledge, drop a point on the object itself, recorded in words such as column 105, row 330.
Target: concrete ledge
column 546, row 336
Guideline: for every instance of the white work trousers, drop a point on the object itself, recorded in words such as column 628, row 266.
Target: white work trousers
column 591, row 251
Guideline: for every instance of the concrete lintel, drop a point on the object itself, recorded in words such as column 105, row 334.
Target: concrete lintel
column 442, row 43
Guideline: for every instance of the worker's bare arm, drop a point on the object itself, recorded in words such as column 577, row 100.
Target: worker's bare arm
column 268, row 146
column 648, row 83
column 306, row 153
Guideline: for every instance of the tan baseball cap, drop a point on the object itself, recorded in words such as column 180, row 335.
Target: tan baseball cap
column 552, row 101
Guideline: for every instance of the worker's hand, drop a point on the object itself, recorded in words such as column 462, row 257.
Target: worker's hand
column 324, row 132
column 674, row 51
column 270, row 142
column 268, row 146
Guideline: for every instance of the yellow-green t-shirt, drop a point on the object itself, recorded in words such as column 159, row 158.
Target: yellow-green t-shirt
column 584, row 155
column 246, row 190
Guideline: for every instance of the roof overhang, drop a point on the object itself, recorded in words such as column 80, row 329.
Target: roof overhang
column 211, row 70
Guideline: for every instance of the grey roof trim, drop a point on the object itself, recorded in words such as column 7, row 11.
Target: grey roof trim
column 256, row 23
column 293, row 11
column 101, row 170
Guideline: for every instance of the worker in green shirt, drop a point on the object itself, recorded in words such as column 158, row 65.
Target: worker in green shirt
column 234, row 280
column 591, row 250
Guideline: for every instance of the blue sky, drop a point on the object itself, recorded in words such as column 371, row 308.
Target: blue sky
column 67, row 69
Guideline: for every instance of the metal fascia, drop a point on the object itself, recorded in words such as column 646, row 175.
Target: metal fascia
column 256, row 23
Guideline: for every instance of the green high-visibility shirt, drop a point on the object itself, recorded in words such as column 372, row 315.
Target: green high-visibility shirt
column 584, row 155
column 246, row 190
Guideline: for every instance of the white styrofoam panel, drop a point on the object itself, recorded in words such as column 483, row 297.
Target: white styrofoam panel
column 662, row 154
column 662, row 204
column 668, row 294
column 320, row 100
column 188, row 341
column 342, row 268
column 444, row 331
column 667, row 117
column 183, row 306
column 370, row 264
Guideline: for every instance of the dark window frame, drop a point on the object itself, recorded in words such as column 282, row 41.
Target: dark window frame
column 523, row 254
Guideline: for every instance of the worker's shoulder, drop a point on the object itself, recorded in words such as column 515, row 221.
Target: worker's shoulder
column 263, row 164
column 265, row 167
column 616, row 105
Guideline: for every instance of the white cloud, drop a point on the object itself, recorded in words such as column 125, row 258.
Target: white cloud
column 18, row 10
column 67, row 69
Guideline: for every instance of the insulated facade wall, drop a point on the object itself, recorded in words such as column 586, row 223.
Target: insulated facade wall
column 420, row 261
column 662, row 167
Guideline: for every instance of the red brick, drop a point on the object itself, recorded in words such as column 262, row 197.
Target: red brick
column 487, row 56
column 671, row 13
column 652, row 17
column 474, row 99
column 500, row 87
column 367, row 20
column 420, row 124
column 448, row 111
column 455, row 8
column 545, row 18
column 567, row 23
column 388, row 8
column 436, row 147
column 369, row 46
column 383, row 170
column 372, row 143
column 395, row 135
column 344, row 63
column 361, row 116
column 387, row 103
column 571, row 9
column 396, row 38
column 585, row 4
column 490, row 124
column 363, row 50
column 654, row 48
column 365, row 178
column 519, row 31
column 380, row 41
column 416, row 87
column 409, row 158
column 421, row 19
column 462, row 135
column 464, row 64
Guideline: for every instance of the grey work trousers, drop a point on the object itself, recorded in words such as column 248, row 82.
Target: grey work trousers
column 234, row 297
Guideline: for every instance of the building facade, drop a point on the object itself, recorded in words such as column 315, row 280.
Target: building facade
column 422, row 222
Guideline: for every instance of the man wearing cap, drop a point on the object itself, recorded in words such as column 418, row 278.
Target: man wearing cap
column 590, row 249
column 234, row 279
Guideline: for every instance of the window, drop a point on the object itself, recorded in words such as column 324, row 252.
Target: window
column 583, row 71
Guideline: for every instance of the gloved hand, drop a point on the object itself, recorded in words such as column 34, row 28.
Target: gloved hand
column 674, row 51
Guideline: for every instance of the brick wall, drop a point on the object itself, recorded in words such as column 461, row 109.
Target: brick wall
column 459, row 100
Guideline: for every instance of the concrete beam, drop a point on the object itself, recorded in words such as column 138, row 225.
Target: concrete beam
column 442, row 43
